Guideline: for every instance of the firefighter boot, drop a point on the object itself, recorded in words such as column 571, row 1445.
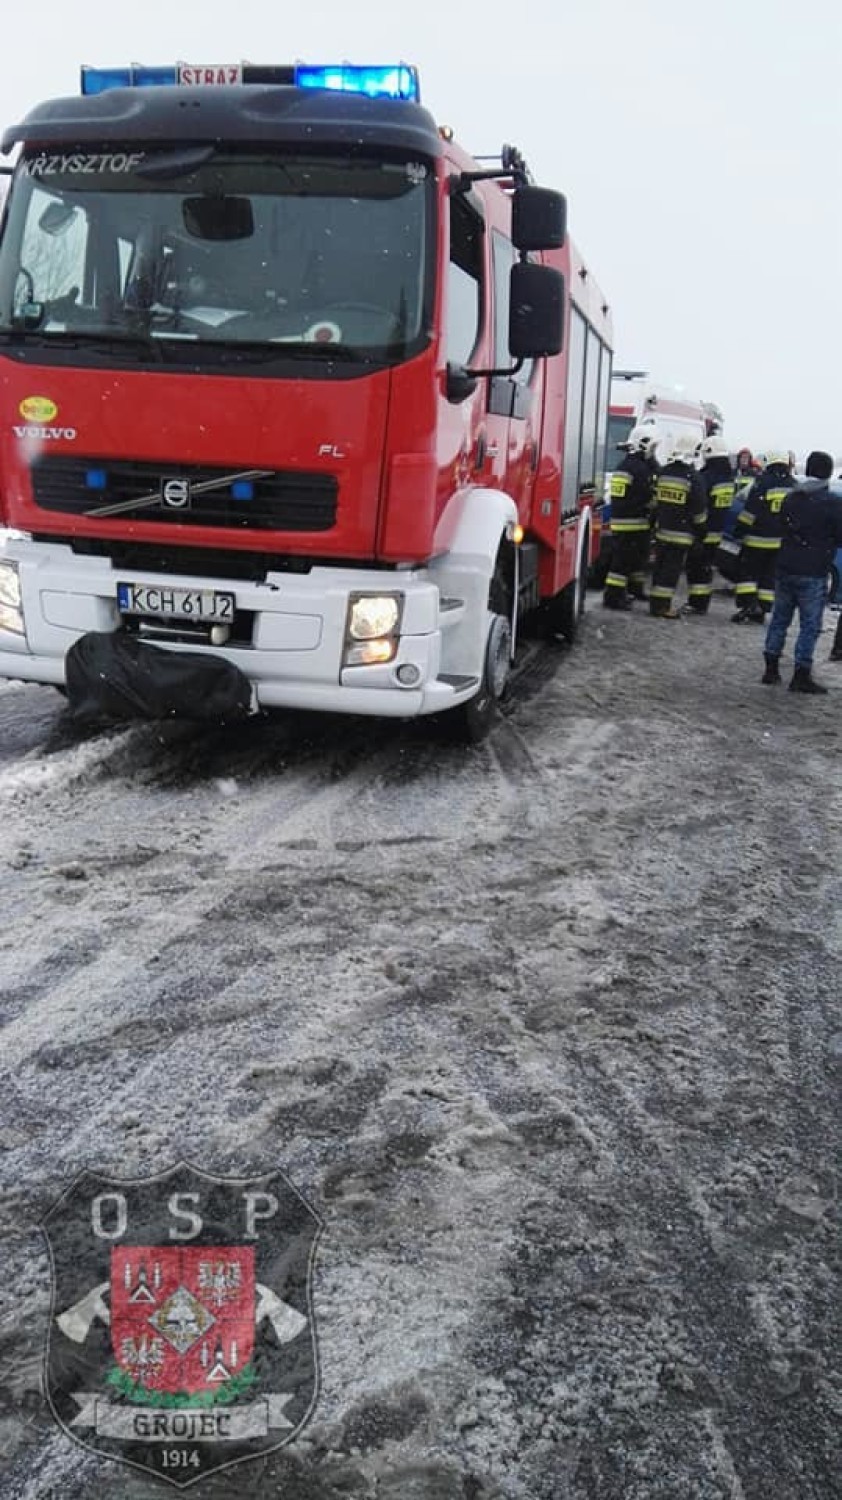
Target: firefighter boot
column 803, row 681
column 772, row 673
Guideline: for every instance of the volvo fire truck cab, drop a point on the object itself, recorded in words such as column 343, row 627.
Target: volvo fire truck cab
column 303, row 405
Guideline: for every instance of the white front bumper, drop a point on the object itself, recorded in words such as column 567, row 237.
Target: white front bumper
column 293, row 656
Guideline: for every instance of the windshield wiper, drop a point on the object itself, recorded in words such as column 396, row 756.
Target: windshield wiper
column 158, row 341
column 111, row 340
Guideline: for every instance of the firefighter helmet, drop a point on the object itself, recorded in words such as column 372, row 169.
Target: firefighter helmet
column 778, row 456
column 714, row 447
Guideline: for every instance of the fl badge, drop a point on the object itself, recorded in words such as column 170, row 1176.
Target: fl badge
column 181, row 1335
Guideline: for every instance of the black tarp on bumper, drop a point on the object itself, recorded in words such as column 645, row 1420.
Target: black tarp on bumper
column 117, row 676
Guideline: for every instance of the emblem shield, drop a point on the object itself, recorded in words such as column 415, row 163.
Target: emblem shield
column 182, row 1337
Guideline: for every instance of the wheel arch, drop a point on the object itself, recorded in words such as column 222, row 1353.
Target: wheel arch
column 472, row 534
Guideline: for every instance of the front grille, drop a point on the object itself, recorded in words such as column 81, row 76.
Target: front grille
column 276, row 501
column 207, row 562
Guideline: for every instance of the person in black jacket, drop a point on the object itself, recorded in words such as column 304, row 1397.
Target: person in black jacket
column 717, row 480
column 758, row 528
column 680, row 515
column 811, row 532
column 631, row 519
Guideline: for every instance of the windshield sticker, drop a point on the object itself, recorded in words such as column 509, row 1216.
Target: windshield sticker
column 416, row 171
column 38, row 409
column 93, row 165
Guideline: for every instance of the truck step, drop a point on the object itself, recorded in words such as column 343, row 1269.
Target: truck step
column 456, row 681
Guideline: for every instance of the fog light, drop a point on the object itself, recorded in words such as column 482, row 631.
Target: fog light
column 408, row 674
column 219, row 634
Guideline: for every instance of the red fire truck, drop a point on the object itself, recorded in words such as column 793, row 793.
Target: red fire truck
column 302, row 405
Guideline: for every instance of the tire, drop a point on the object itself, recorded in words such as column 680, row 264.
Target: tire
column 598, row 571
column 471, row 722
column 565, row 611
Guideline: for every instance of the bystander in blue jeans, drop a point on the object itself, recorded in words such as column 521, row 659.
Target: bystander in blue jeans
column 807, row 595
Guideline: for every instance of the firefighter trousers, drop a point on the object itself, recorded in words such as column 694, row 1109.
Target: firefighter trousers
column 666, row 571
column 700, row 575
column 756, row 579
column 629, row 556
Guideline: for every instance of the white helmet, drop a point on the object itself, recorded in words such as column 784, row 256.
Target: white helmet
column 684, row 449
column 642, row 439
column 778, row 456
column 714, row 447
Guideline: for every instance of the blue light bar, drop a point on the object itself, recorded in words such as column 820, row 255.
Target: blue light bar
column 99, row 80
column 396, row 81
column 390, row 81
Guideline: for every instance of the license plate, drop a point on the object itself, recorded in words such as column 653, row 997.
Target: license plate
column 174, row 604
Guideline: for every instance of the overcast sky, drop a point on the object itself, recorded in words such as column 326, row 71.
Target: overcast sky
column 700, row 147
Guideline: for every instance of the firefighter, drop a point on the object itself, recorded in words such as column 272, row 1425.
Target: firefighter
column 680, row 513
column 631, row 519
column 746, row 471
column 717, row 481
column 758, row 529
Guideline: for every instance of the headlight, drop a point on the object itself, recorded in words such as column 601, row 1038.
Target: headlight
column 373, row 629
column 373, row 615
column 11, row 614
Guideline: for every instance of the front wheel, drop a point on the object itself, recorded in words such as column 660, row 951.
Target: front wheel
column 473, row 720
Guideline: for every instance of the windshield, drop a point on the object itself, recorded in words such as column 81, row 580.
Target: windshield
column 618, row 431
column 196, row 245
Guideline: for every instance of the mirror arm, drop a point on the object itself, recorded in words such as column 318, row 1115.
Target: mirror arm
column 462, row 182
column 475, row 374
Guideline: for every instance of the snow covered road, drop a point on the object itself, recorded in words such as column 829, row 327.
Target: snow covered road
column 547, row 1032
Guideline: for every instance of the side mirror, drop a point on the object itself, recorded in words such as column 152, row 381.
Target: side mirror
column 218, row 218
column 539, row 219
column 536, row 311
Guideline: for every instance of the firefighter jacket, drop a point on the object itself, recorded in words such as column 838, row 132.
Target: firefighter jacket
column 743, row 479
column 759, row 523
column 631, row 495
column 717, row 481
column 812, row 529
column 680, row 505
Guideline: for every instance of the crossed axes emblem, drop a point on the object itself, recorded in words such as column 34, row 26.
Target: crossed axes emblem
column 77, row 1321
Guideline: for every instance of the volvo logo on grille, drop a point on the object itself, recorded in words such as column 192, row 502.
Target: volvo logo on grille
column 175, row 494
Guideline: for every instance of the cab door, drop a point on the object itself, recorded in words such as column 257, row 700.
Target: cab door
column 514, row 398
